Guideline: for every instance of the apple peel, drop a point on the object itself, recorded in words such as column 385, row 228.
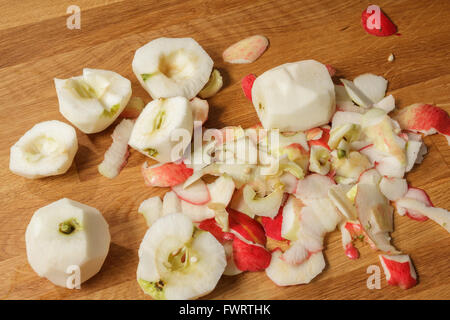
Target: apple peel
column 165, row 175
column 386, row 27
column 246, row 50
column 399, row 270
column 247, row 84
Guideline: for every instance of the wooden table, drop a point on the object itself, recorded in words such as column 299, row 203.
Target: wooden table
column 36, row 46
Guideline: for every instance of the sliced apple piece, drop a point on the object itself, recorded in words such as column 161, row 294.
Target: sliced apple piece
column 387, row 104
column 314, row 186
column 272, row 227
column 439, row 215
column 200, row 110
column 196, row 194
column 393, row 188
column 319, row 160
column 285, row 274
column 250, row 257
column 373, row 86
column 221, row 190
column 213, row 85
column 337, row 195
column 117, row 154
column 424, row 118
column 399, row 270
column 341, row 118
column 165, row 175
column 417, row 194
column 289, row 181
column 246, row 50
column 246, row 227
column 151, row 209
column 171, row 203
column 356, row 94
column 267, row 206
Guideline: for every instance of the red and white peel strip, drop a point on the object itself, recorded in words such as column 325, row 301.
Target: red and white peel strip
column 246, row 50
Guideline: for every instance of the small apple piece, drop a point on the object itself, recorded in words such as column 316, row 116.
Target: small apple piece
column 171, row 203
column 438, row 215
column 337, row 195
column 178, row 261
column 285, row 274
column 172, row 67
column 133, row 108
column 67, row 233
column 399, row 270
column 356, row 94
column 393, row 188
column 424, row 118
column 250, row 257
column 289, row 182
column 314, row 186
column 231, row 269
column 165, row 175
column 294, row 96
column 416, row 194
column 247, row 228
column 213, row 85
column 151, row 209
column 47, row 149
column 117, row 154
column 347, row 242
column 247, row 84
column 221, row 190
column 386, row 27
column 341, row 118
column 200, row 110
column 267, row 206
column 246, row 50
column 156, row 125
column 387, row 104
column 373, row 86
column 272, row 227
column 319, row 160
column 93, row 101
column 196, row 194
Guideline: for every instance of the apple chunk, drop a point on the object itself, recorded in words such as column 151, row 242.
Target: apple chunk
column 399, row 271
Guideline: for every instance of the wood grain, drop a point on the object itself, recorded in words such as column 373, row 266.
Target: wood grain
column 36, row 46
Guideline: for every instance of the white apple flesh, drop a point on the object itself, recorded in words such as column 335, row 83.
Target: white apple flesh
column 93, row 101
column 294, row 96
column 67, row 233
column 47, row 149
column 171, row 67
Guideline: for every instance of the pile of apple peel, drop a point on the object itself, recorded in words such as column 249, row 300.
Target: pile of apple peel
column 326, row 155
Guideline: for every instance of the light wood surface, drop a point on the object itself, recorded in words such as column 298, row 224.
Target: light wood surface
column 36, row 46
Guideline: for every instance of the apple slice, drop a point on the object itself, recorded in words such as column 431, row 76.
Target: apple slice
column 289, row 181
column 165, row 175
column 356, row 94
column 314, row 134
column 314, row 186
column 221, row 190
column 347, row 242
column 386, row 104
column 200, row 110
column 341, row 118
column 151, row 209
column 246, row 227
column 323, row 141
column 117, row 154
column 171, row 203
column 417, row 194
column 319, row 160
column 211, row 226
column 197, row 213
column 375, row 215
column 285, row 274
column 246, row 50
column 399, row 270
column 213, row 85
column 393, row 188
column 197, row 193
column 267, row 206
column 231, row 269
column 424, row 118
column 250, row 257
column 272, row 227
column 439, row 215
column 337, row 194
column 373, row 86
